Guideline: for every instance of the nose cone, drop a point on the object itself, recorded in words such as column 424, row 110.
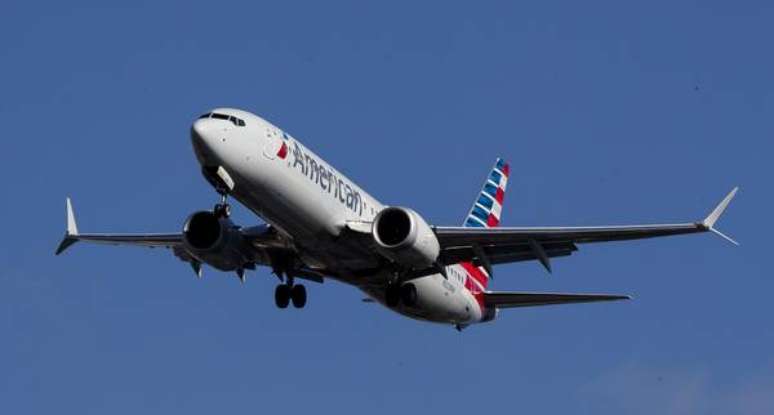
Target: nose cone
column 204, row 138
column 203, row 130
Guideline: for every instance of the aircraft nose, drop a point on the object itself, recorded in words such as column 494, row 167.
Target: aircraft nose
column 202, row 130
column 204, row 138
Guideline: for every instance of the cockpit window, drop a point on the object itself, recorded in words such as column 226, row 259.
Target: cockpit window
column 234, row 120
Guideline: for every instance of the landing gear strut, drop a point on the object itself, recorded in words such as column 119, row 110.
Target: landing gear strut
column 222, row 209
column 289, row 291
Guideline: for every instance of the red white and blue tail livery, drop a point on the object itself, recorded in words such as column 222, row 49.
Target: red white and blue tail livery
column 486, row 212
column 320, row 225
column 488, row 207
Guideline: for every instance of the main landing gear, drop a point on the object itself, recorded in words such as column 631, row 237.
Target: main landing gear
column 405, row 293
column 286, row 292
column 289, row 291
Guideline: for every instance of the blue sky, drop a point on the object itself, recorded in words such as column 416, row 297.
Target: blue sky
column 610, row 113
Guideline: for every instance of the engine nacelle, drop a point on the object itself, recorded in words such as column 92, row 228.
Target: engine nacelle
column 404, row 237
column 215, row 240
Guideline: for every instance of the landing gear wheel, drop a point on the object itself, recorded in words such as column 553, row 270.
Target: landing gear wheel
column 298, row 294
column 282, row 296
column 408, row 294
column 392, row 295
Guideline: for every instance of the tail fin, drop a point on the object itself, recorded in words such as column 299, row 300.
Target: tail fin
column 488, row 206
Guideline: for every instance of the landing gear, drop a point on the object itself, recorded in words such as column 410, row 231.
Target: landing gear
column 396, row 294
column 222, row 209
column 298, row 295
column 282, row 296
column 287, row 292
column 392, row 295
column 408, row 294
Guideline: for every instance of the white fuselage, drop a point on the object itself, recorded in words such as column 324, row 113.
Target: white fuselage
column 310, row 203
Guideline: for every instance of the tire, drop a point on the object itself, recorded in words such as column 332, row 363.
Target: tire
column 282, row 296
column 408, row 294
column 298, row 294
column 392, row 296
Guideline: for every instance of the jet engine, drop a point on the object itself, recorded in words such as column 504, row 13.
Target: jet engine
column 404, row 237
column 216, row 241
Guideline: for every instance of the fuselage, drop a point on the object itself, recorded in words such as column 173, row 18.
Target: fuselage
column 310, row 203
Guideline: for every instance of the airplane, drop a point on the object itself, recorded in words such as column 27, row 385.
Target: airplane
column 319, row 225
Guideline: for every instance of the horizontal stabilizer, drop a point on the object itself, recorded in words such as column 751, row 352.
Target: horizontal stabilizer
column 514, row 299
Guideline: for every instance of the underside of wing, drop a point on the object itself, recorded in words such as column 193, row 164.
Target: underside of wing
column 505, row 253
column 490, row 246
column 152, row 240
column 514, row 299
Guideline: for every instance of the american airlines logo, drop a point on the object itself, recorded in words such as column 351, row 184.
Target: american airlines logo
column 318, row 173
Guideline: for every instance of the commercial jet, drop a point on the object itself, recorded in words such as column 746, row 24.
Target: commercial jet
column 319, row 225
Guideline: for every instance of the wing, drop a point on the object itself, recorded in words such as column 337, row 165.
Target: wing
column 488, row 246
column 512, row 300
column 152, row 240
column 264, row 247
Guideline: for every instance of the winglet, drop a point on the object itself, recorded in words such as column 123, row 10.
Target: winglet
column 709, row 221
column 72, row 227
column 72, row 230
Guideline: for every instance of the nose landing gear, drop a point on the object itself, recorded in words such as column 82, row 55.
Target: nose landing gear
column 222, row 209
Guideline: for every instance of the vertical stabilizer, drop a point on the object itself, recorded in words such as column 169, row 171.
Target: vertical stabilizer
column 485, row 213
column 488, row 206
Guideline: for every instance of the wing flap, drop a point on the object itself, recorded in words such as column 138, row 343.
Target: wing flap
column 501, row 254
column 516, row 299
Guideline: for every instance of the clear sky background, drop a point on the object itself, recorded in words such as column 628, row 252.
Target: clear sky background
column 610, row 112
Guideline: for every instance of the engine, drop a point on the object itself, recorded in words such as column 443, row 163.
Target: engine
column 404, row 237
column 215, row 240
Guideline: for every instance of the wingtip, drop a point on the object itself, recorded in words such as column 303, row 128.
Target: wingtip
column 67, row 241
column 72, row 227
column 713, row 217
column 71, row 234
